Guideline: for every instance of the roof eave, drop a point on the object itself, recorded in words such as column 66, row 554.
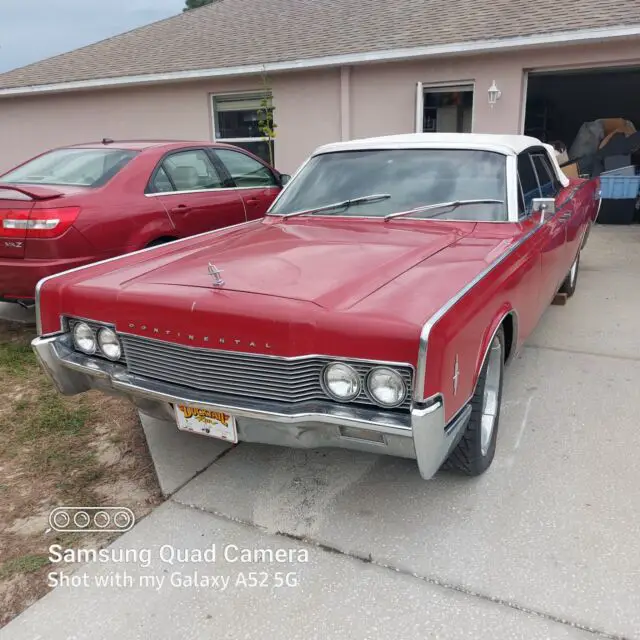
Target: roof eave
column 389, row 55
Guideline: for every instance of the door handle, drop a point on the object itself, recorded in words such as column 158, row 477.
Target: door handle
column 565, row 216
column 252, row 201
column 181, row 208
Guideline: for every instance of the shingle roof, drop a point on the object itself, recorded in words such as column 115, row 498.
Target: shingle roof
column 231, row 33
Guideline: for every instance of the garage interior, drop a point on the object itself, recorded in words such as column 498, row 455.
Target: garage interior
column 594, row 114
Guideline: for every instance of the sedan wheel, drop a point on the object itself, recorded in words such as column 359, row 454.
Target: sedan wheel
column 474, row 453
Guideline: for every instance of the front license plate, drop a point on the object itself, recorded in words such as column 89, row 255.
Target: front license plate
column 206, row 422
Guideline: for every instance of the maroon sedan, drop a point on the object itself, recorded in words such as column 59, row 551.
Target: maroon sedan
column 77, row 205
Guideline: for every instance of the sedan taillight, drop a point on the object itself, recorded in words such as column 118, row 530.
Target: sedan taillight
column 37, row 223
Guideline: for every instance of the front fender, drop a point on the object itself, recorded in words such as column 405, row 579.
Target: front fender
column 507, row 315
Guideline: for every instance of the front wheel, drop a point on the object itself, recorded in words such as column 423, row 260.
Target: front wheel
column 474, row 453
column 571, row 281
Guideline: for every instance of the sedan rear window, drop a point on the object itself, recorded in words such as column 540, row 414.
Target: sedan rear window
column 72, row 167
column 408, row 179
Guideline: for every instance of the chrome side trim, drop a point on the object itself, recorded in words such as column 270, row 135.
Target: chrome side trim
column 113, row 259
column 214, row 190
column 421, row 368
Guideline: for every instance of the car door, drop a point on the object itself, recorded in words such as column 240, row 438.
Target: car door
column 553, row 243
column 256, row 183
column 567, row 213
column 191, row 190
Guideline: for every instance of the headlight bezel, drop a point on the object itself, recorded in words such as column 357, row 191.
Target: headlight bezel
column 69, row 324
column 101, row 332
column 386, row 370
column 327, row 389
column 76, row 344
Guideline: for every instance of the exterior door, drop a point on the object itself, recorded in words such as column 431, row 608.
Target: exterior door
column 553, row 234
column 254, row 181
column 192, row 192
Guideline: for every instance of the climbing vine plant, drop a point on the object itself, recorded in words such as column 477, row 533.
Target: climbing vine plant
column 266, row 122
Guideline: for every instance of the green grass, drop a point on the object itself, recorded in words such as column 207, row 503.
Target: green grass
column 17, row 359
column 22, row 564
column 46, row 416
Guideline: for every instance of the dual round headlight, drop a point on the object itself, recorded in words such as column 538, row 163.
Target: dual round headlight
column 86, row 340
column 384, row 386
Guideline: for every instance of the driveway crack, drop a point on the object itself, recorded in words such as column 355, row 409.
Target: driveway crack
column 432, row 580
column 582, row 353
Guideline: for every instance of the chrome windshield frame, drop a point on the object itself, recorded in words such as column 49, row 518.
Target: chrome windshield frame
column 511, row 176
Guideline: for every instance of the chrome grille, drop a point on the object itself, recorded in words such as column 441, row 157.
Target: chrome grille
column 241, row 374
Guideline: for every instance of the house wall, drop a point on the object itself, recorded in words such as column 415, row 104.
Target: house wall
column 312, row 107
column 307, row 108
column 383, row 96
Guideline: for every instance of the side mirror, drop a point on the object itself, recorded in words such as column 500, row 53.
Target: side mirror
column 545, row 207
column 284, row 178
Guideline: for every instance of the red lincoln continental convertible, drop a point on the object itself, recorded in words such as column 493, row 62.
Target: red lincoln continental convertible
column 373, row 308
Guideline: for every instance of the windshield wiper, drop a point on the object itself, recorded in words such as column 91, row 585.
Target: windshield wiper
column 345, row 204
column 454, row 204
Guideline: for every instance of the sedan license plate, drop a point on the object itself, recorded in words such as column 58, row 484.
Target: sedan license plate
column 206, row 422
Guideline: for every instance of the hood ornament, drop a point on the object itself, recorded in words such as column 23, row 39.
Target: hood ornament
column 214, row 272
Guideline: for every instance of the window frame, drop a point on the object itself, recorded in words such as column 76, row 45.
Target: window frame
column 277, row 181
column 238, row 95
column 527, row 212
column 422, row 88
column 510, row 165
column 537, row 151
column 550, row 172
column 224, row 176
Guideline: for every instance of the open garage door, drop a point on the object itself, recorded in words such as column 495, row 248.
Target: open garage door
column 559, row 102
column 595, row 115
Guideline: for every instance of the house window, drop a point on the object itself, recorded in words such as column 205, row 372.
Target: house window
column 236, row 121
column 447, row 109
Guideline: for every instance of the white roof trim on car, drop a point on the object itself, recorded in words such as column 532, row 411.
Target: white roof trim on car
column 388, row 55
column 510, row 145
column 507, row 144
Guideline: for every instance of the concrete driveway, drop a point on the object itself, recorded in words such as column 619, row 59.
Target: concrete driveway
column 12, row 312
column 545, row 545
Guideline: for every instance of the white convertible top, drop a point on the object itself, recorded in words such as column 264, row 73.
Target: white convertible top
column 510, row 145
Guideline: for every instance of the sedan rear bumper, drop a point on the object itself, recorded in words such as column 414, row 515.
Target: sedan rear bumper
column 19, row 277
column 420, row 434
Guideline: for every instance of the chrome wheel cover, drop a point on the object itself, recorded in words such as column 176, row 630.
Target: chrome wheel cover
column 491, row 395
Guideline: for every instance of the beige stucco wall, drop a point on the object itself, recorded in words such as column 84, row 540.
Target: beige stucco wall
column 307, row 110
column 312, row 108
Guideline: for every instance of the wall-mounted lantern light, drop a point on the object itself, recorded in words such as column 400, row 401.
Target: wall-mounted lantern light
column 494, row 94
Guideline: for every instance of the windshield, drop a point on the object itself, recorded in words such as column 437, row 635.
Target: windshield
column 72, row 167
column 409, row 177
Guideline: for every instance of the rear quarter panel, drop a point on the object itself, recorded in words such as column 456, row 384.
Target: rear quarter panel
column 118, row 218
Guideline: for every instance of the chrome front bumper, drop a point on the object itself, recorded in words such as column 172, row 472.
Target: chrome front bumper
column 420, row 434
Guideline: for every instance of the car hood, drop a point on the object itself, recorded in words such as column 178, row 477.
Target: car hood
column 332, row 264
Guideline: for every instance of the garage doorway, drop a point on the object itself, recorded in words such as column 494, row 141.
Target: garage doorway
column 559, row 102
column 592, row 117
